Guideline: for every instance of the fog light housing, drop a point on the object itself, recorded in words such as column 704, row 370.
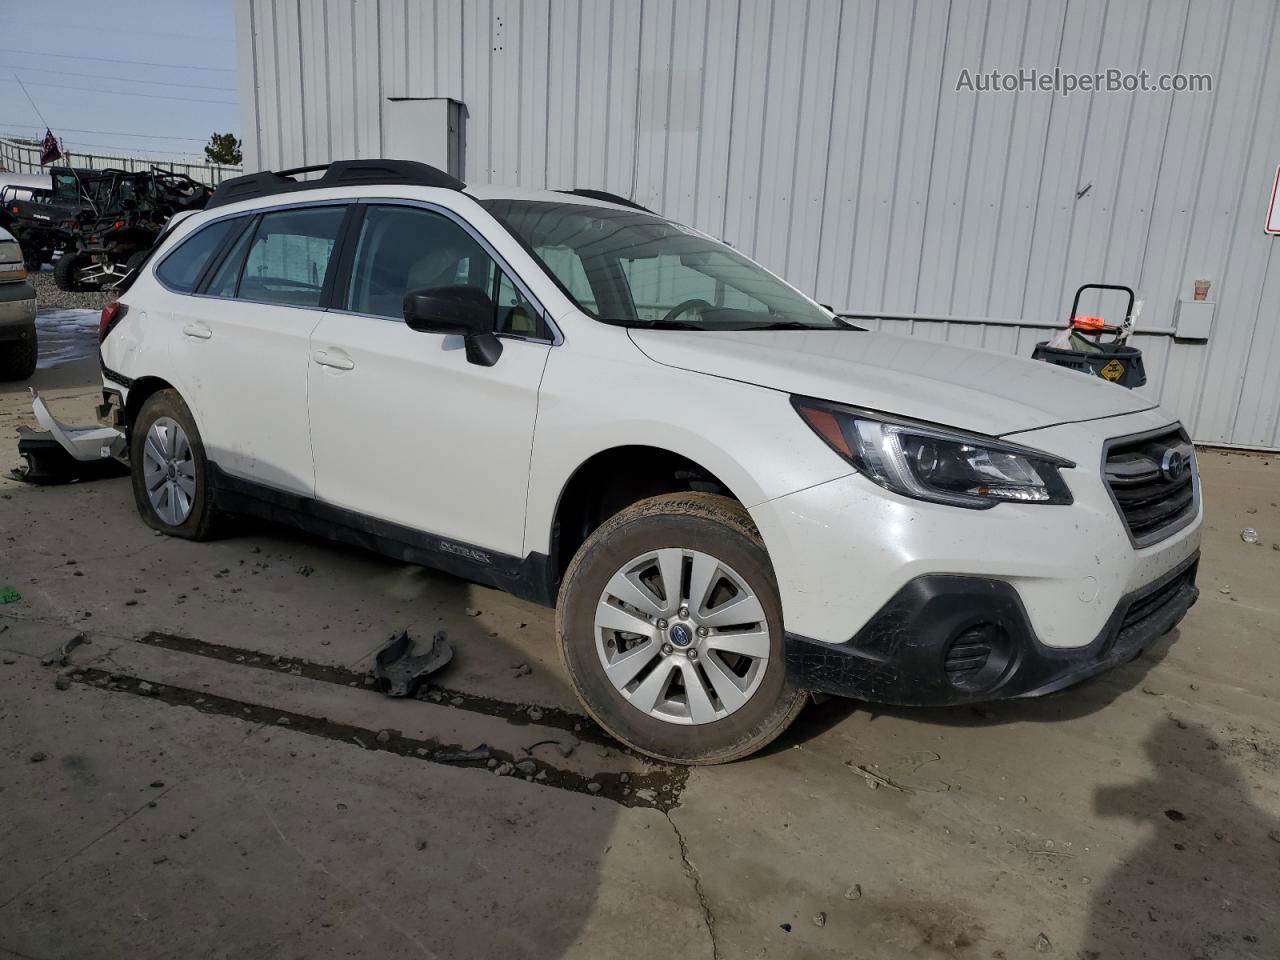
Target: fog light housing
column 978, row 657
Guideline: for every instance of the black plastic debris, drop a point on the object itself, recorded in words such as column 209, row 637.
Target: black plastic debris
column 481, row 752
column 47, row 463
column 64, row 652
column 397, row 671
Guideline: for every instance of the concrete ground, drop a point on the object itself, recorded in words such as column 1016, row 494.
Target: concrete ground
column 214, row 782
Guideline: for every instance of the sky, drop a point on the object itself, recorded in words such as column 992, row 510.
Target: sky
column 151, row 75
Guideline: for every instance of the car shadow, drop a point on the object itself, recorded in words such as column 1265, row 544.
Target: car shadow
column 1203, row 880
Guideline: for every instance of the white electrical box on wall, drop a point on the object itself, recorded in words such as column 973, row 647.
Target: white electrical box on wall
column 1193, row 319
column 429, row 129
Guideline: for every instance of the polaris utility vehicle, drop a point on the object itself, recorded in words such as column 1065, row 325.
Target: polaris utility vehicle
column 20, row 191
column 732, row 497
column 116, row 219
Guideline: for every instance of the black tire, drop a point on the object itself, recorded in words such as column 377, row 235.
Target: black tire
column 18, row 357
column 203, row 521
column 64, row 272
column 697, row 521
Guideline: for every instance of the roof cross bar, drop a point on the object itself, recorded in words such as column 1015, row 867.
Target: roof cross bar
column 340, row 173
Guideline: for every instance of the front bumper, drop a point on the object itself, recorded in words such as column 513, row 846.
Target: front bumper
column 945, row 640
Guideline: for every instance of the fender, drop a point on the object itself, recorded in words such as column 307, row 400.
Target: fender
column 748, row 437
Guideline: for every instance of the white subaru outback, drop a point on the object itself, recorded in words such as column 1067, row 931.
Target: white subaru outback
column 732, row 497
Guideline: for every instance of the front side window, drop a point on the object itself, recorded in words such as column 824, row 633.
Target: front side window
column 181, row 269
column 402, row 248
column 634, row 269
column 289, row 256
column 515, row 314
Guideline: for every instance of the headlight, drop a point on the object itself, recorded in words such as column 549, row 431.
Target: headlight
column 932, row 463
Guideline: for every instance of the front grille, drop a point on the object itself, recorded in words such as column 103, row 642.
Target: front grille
column 1153, row 496
column 1150, row 604
column 1144, row 606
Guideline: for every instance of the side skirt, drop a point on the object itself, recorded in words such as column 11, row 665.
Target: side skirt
column 528, row 578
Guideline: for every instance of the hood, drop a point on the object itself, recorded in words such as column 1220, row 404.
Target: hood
column 914, row 377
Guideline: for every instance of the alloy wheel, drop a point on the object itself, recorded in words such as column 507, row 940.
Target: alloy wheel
column 682, row 636
column 169, row 471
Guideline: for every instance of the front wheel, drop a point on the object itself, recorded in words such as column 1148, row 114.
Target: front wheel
column 670, row 627
column 169, row 469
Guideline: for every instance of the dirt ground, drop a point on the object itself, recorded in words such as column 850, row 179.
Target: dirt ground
column 215, row 780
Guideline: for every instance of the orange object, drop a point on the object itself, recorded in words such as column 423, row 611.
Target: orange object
column 1088, row 323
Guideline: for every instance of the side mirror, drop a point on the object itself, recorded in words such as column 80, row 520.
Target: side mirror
column 458, row 310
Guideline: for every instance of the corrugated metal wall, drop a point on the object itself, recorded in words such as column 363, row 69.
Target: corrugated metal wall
column 827, row 139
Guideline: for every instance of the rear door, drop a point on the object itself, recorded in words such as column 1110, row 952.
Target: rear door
column 403, row 427
column 243, row 343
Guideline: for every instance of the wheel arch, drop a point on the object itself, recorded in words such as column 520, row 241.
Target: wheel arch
column 139, row 391
column 612, row 479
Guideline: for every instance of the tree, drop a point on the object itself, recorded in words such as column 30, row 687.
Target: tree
column 224, row 148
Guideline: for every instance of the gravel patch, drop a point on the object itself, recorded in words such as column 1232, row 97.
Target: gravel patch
column 48, row 296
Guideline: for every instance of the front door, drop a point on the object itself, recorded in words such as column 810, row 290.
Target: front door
column 403, row 427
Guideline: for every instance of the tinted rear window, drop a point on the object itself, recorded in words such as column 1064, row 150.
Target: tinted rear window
column 181, row 269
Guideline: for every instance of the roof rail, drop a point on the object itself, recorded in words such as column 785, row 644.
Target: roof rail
column 340, row 173
column 606, row 197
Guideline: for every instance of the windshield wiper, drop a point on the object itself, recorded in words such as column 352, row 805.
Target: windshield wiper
column 652, row 324
column 787, row 325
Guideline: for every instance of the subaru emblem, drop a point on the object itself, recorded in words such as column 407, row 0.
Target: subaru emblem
column 1173, row 465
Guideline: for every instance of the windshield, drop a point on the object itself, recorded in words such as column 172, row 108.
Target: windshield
column 637, row 270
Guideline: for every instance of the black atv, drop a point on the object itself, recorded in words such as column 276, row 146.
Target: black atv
column 121, row 215
column 45, row 221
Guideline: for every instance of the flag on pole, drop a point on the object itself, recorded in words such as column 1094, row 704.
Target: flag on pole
column 49, row 150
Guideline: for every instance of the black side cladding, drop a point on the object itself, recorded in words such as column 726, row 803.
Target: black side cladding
column 529, row 578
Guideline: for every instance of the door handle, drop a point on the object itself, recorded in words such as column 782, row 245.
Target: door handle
column 336, row 362
column 197, row 330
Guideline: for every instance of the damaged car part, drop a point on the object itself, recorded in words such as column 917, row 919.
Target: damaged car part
column 398, row 671
column 64, row 454
column 47, row 462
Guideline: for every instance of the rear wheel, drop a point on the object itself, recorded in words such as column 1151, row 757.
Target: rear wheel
column 18, row 357
column 169, row 469
column 670, row 627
